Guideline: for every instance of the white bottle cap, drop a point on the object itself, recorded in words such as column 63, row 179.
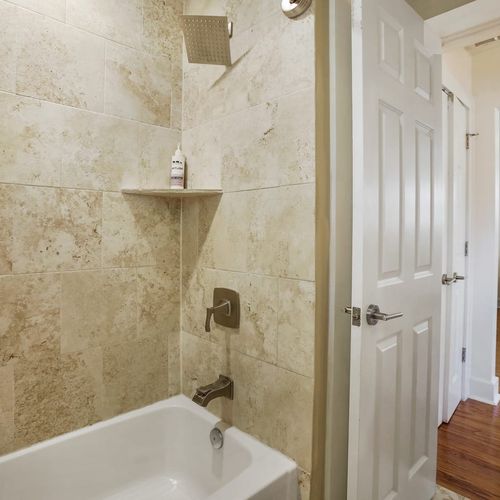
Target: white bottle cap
column 178, row 153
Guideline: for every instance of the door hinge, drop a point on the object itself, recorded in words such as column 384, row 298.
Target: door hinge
column 355, row 313
column 467, row 139
column 466, row 250
column 464, row 354
column 448, row 93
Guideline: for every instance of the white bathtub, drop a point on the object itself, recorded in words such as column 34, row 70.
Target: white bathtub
column 156, row 453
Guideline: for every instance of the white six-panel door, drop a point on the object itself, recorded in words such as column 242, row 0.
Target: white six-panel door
column 396, row 254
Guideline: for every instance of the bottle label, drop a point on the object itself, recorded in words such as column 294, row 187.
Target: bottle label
column 177, row 175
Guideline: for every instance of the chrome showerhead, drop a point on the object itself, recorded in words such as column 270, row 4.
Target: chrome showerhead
column 207, row 39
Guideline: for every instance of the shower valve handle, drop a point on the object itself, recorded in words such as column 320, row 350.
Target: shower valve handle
column 211, row 310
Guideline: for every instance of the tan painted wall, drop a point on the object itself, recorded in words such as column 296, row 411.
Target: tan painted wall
column 250, row 130
column 89, row 279
column 431, row 8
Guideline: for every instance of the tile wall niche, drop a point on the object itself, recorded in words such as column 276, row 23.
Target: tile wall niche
column 90, row 99
column 249, row 129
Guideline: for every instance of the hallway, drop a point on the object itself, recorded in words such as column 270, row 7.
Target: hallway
column 469, row 451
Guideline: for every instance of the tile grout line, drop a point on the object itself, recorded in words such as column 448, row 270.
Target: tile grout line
column 119, row 190
column 278, row 307
column 251, row 107
column 280, row 186
column 224, row 345
column 86, row 270
column 136, row 287
column 181, row 296
column 16, row 6
column 254, row 273
column 105, row 77
column 141, row 48
column 101, row 245
column 85, row 110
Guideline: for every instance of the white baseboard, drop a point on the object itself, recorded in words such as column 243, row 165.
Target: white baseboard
column 485, row 391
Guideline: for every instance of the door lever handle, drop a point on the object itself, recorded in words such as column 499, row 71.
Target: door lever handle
column 445, row 280
column 373, row 315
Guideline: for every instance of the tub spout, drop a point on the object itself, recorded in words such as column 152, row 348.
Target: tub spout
column 222, row 387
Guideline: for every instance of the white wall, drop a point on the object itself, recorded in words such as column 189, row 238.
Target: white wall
column 485, row 224
column 457, row 71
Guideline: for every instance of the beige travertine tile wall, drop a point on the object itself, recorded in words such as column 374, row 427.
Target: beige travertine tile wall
column 90, row 100
column 250, row 130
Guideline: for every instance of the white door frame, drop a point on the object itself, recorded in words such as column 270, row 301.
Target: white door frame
column 340, row 217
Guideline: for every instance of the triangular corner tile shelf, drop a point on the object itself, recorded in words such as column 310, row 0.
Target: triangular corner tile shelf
column 174, row 193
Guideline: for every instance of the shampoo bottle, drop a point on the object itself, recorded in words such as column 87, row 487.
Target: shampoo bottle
column 177, row 172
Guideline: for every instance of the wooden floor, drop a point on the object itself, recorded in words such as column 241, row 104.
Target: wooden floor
column 469, row 451
column 469, row 447
column 498, row 344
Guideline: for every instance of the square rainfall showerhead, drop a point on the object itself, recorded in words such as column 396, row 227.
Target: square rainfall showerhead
column 207, row 39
